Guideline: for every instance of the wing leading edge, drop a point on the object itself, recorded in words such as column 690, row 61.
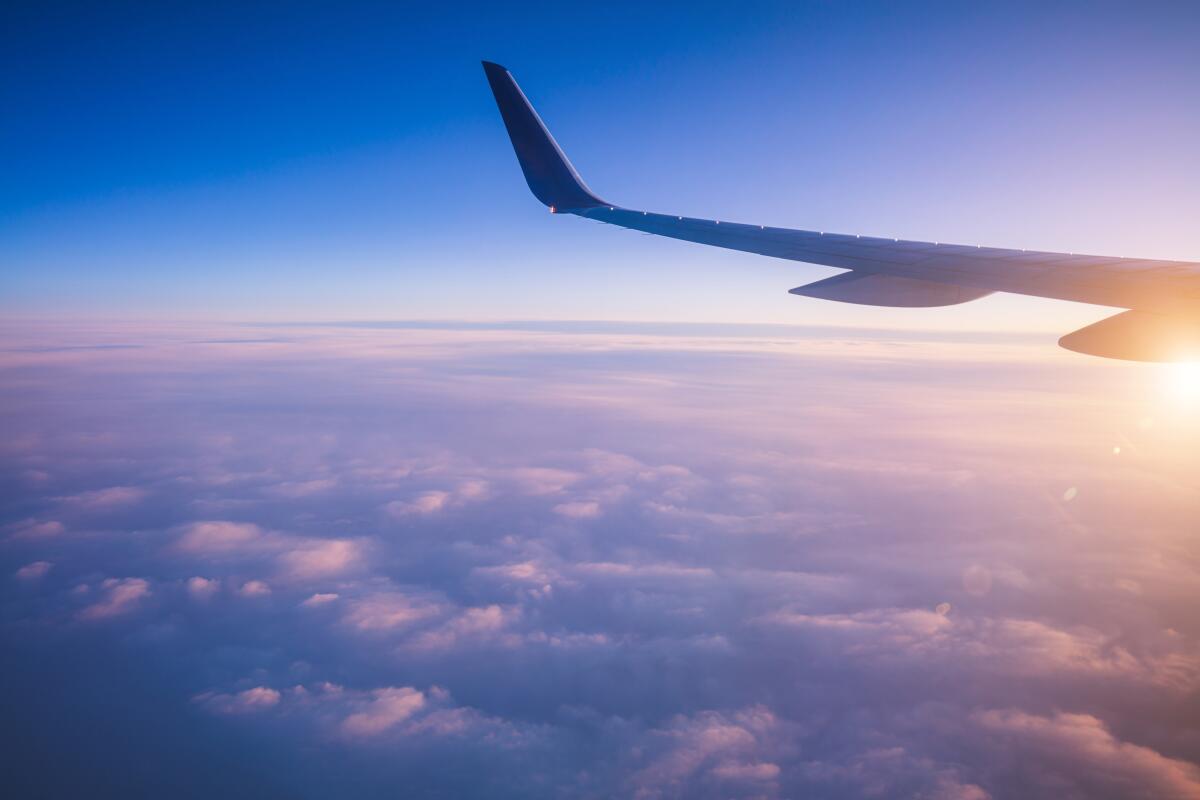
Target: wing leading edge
column 894, row 272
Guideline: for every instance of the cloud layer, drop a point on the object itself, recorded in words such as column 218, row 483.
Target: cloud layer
column 616, row 563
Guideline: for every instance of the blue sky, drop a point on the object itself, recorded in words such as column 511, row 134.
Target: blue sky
column 333, row 161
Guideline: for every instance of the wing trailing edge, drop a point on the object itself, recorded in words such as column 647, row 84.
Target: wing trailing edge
column 869, row 289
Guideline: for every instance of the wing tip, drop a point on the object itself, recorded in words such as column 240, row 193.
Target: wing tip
column 547, row 170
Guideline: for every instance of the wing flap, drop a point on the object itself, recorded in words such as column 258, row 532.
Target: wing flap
column 887, row 290
column 1139, row 336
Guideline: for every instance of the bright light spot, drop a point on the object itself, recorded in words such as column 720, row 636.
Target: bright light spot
column 1117, row 450
column 1070, row 494
column 1183, row 381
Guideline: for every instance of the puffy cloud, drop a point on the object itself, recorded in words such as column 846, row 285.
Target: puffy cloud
column 221, row 536
column 746, row 771
column 469, row 490
column 254, row 588
column 33, row 529
column 609, row 569
column 542, row 480
column 34, row 571
column 121, row 596
column 787, row 596
column 386, row 610
column 1010, row 646
column 392, row 712
column 705, row 746
column 259, row 698
column 579, row 509
column 202, row 588
column 106, row 499
column 295, row 489
column 313, row 558
column 298, row 557
column 472, row 626
column 386, row 709
column 424, row 503
column 1075, row 755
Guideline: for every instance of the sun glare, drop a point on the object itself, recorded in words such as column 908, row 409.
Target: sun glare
column 1183, row 382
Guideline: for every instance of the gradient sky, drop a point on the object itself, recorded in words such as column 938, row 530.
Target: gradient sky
column 334, row 466
column 345, row 161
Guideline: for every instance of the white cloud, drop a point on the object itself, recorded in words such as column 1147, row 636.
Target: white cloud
column 320, row 599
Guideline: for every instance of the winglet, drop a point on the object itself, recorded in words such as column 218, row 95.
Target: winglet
column 549, row 174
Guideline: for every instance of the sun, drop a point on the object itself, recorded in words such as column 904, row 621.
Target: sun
column 1182, row 381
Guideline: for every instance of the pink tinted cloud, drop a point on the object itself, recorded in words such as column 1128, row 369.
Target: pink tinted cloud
column 121, row 597
column 1081, row 745
column 254, row 588
column 105, row 499
column 470, row 490
column 32, row 529
column 708, row 745
column 221, row 536
column 312, row 558
column 385, row 709
column 385, row 611
column 579, row 509
column 259, row 698
column 34, row 571
column 472, row 626
column 202, row 588
column 298, row 557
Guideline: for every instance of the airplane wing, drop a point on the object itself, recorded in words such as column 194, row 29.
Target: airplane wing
column 1163, row 297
